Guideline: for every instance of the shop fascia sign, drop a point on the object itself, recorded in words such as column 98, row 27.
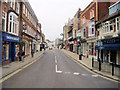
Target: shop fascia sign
column 11, row 38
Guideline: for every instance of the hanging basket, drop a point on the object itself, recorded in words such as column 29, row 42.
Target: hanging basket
column 23, row 42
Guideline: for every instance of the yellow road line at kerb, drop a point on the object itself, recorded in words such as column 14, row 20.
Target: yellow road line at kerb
column 12, row 74
column 92, row 71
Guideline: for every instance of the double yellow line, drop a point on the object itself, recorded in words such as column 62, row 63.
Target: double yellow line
column 12, row 74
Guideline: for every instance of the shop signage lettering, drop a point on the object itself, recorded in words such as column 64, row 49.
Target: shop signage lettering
column 112, row 41
column 12, row 38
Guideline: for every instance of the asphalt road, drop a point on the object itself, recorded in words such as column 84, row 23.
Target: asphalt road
column 56, row 70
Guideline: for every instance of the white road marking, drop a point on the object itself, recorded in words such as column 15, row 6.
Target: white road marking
column 55, row 60
column 95, row 76
column 76, row 73
column 84, row 75
column 57, row 70
column 67, row 72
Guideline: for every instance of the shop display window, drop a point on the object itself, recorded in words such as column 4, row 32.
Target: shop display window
column 5, row 51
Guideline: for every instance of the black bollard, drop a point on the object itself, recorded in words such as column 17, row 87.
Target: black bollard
column 112, row 69
column 99, row 65
column 92, row 61
column 80, row 57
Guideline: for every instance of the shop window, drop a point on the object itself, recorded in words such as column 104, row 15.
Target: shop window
column 4, row 21
column 5, row 52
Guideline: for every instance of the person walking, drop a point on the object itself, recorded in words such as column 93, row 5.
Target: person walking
column 32, row 53
column 19, row 55
column 23, row 55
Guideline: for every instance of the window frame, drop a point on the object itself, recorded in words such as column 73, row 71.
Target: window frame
column 4, row 19
column 13, row 22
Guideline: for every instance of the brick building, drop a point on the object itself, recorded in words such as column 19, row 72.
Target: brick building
column 30, row 20
column 19, row 24
column 94, row 12
column 10, row 30
column 76, row 28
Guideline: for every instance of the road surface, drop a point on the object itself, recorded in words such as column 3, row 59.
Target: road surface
column 56, row 70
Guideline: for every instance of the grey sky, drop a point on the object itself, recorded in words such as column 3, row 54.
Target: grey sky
column 53, row 14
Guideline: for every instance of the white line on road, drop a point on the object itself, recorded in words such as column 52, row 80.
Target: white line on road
column 67, row 72
column 76, row 73
column 95, row 76
column 55, row 60
column 57, row 70
column 84, row 75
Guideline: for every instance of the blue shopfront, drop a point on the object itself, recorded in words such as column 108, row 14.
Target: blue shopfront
column 109, row 49
column 10, row 47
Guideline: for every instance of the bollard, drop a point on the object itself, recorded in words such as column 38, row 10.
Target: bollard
column 80, row 57
column 99, row 65
column 112, row 69
column 92, row 61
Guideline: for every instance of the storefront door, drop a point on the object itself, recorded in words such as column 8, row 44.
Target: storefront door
column 12, row 52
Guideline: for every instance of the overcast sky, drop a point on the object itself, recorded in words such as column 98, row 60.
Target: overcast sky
column 53, row 14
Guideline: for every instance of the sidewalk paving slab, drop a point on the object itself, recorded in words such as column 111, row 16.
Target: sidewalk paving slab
column 88, row 63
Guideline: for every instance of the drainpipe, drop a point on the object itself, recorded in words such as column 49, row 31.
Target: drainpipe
column 0, row 48
column 0, row 33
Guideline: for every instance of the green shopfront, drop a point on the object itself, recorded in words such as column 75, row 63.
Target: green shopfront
column 10, row 47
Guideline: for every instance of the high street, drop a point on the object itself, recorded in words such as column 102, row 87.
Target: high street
column 56, row 70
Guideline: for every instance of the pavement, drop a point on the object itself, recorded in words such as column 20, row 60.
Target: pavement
column 55, row 69
column 11, row 67
column 87, row 62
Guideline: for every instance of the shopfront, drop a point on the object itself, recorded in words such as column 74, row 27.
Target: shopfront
column 10, row 47
column 109, row 50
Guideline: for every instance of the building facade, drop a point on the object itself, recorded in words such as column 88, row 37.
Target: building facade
column 108, row 44
column 19, row 25
column 29, row 34
column 10, row 30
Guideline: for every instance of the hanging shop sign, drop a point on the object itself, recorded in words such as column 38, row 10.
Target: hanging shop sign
column 24, row 26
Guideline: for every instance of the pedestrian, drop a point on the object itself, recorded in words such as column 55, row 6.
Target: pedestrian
column 23, row 55
column 19, row 55
column 87, row 53
column 32, row 53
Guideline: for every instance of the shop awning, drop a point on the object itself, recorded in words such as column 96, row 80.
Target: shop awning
column 108, row 47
